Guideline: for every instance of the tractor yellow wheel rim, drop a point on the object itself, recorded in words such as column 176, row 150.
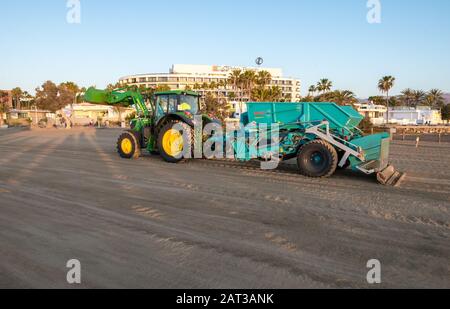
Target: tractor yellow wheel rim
column 127, row 146
column 173, row 143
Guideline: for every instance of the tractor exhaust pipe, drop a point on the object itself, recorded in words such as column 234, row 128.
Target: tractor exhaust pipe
column 390, row 177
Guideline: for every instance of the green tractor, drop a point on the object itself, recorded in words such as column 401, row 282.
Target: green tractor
column 160, row 127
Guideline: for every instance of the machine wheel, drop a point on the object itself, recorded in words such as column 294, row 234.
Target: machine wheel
column 128, row 146
column 171, row 144
column 317, row 159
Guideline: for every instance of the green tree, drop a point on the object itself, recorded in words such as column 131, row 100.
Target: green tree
column 366, row 124
column 47, row 97
column 419, row 97
column 377, row 100
column 112, row 87
column 214, row 86
column 216, row 107
column 308, row 98
column 407, row 97
column 235, row 80
column 445, row 110
column 312, row 90
column 52, row 97
column 385, row 84
column 71, row 86
column 263, row 78
column 232, row 96
column 270, row 94
column 16, row 94
column 162, row 88
column 4, row 108
column 345, row 97
column 69, row 89
column 324, row 85
column 205, row 86
column 248, row 82
column 435, row 98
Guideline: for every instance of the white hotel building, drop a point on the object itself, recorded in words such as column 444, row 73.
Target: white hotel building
column 182, row 75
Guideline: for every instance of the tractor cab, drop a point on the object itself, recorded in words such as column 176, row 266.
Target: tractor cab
column 175, row 102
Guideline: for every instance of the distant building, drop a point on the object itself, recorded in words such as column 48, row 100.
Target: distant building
column 85, row 113
column 421, row 115
column 401, row 115
column 28, row 116
column 376, row 113
column 181, row 76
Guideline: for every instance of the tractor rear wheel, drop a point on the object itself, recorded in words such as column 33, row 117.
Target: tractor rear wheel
column 128, row 146
column 317, row 159
column 172, row 141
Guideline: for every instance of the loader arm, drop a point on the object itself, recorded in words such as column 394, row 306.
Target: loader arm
column 117, row 97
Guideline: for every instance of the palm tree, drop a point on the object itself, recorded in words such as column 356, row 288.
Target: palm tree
column 324, row 85
column 385, row 84
column 418, row 97
column 16, row 94
column 272, row 94
column 232, row 96
column 263, row 78
column 248, row 80
column 312, row 90
column 407, row 96
column 215, row 86
column 235, row 79
column 276, row 94
column 28, row 99
column 345, row 97
column 435, row 98
column 205, row 86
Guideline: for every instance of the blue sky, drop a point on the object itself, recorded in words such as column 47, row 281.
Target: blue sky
column 309, row 39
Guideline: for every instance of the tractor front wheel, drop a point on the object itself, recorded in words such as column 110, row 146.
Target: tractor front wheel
column 317, row 159
column 174, row 141
column 128, row 146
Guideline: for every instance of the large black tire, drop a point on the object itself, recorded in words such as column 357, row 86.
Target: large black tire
column 128, row 146
column 317, row 159
column 187, row 142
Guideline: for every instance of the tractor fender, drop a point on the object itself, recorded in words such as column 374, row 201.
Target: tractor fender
column 170, row 118
column 207, row 120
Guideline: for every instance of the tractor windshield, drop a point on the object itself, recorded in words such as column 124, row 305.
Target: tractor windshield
column 188, row 103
